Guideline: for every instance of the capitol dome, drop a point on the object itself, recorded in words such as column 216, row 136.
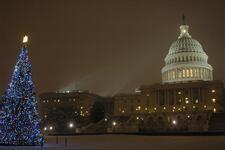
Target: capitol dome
column 186, row 60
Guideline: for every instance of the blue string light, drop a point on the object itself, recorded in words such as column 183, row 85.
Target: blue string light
column 19, row 120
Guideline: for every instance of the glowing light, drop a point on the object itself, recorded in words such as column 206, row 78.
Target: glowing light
column 164, row 108
column 213, row 91
column 179, row 93
column 174, row 122
column 45, row 128
column 213, row 100
column 184, row 31
column 214, row 110
column 186, row 101
column 51, row 128
column 106, row 119
column 71, row 125
column 114, row 123
column 25, row 39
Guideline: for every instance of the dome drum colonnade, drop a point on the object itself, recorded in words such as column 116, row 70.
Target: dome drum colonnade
column 186, row 60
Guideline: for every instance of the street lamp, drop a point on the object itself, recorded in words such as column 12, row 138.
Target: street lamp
column 51, row 128
column 174, row 122
column 71, row 125
column 114, row 123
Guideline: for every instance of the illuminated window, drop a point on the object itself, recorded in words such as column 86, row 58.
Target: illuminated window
column 187, row 72
column 139, row 107
column 184, row 73
column 195, row 73
column 173, row 74
column 191, row 72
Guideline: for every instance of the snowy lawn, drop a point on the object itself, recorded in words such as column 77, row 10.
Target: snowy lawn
column 130, row 142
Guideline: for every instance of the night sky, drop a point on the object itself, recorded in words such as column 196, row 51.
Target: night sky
column 104, row 46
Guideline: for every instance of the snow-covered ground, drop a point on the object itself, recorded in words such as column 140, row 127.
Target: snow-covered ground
column 131, row 142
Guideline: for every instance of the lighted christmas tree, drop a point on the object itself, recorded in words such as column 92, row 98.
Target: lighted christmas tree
column 20, row 121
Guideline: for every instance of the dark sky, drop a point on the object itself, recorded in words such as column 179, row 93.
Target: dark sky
column 104, row 46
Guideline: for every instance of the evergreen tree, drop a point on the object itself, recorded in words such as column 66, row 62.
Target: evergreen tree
column 97, row 112
column 20, row 121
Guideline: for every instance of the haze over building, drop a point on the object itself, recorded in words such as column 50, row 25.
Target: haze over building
column 187, row 99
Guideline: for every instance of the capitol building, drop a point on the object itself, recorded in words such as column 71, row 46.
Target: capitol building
column 186, row 60
column 187, row 99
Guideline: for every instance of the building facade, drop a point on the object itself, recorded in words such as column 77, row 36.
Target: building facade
column 186, row 100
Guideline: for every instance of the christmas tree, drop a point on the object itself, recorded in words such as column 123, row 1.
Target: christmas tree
column 19, row 120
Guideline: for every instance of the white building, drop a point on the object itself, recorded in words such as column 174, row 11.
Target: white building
column 186, row 60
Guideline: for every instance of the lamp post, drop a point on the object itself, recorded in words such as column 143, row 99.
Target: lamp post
column 71, row 125
column 114, row 125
